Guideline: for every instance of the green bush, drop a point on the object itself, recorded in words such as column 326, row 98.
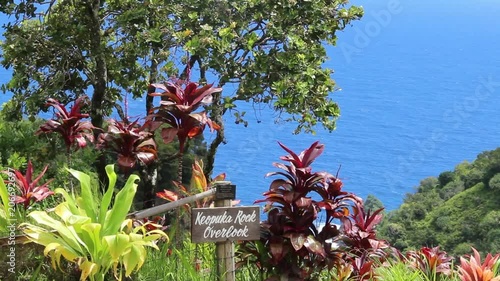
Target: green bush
column 372, row 203
column 473, row 177
column 451, row 189
column 494, row 182
column 463, row 249
column 490, row 221
column 427, row 184
column 493, row 241
column 445, row 178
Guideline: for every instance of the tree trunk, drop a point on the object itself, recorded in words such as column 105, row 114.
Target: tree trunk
column 150, row 177
column 216, row 116
column 99, row 81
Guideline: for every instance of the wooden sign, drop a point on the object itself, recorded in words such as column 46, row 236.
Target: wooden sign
column 225, row 224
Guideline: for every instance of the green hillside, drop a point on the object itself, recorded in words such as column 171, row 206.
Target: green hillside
column 457, row 210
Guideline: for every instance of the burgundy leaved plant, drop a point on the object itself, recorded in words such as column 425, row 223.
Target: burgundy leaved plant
column 363, row 268
column 177, row 111
column 359, row 232
column 291, row 244
column 69, row 124
column 177, row 108
column 362, row 247
column 29, row 188
column 474, row 270
column 434, row 263
column 132, row 142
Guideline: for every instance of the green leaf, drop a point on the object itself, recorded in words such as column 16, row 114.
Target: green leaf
column 91, row 236
column 134, row 258
column 64, row 212
column 106, row 199
column 86, row 193
column 116, row 245
column 123, row 202
column 66, row 233
column 69, row 200
column 4, row 210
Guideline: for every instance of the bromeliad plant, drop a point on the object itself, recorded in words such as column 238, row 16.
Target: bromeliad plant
column 473, row 270
column 131, row 141
column 95, row 237
column 433, row 263
column 69, row 125
column 29, row 189
column 291, row 245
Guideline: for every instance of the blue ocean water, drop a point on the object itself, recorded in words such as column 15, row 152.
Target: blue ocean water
column 420, row 93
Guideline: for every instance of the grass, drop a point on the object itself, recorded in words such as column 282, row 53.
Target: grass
column 187, row 262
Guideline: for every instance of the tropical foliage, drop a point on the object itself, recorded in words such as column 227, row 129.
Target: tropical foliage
column 198, row 184
column 432, row 263
column 96, row 237
column 474, row 270
column 130, row 141
column 29, row 189
column 5, row 212
column 292, row 244
column 177, row 109
column 272, row 52
column 73, row 131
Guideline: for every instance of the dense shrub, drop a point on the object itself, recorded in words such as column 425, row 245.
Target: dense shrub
column 446, row 177
column 451, row 189
column 427, row 184
column 472, row 178
column 463, row 249
column 493, row 241
column 372, row 203
column 463, row 212
column 494, row 182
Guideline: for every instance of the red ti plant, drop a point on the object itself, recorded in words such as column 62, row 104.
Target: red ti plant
column 432, row 262
column 363, row 268
column 131, row 141
column 30, row 191
column 473, row 270
column 69, row 125
column 362, row 247
column 359, row 232
column 177, row 108
column 291, row 245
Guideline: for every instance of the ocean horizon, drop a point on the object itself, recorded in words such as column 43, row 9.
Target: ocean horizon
column 419, row 92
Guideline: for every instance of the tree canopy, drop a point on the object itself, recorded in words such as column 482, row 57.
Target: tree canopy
column 272, row 51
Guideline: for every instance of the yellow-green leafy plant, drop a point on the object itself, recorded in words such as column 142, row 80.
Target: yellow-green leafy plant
column 4, row 207
column 97, row 237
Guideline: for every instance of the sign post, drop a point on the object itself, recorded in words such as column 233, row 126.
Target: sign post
column 225, row 252
column 223, row 225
